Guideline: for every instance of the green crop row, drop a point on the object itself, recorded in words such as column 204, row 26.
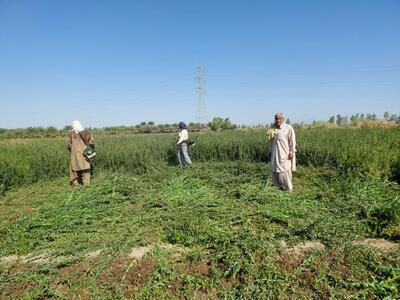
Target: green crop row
column 371, row 152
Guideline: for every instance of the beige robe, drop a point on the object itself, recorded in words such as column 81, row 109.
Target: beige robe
column 280, row 146
column 77, row 146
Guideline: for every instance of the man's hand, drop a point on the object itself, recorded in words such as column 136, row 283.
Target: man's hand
column 290, row 156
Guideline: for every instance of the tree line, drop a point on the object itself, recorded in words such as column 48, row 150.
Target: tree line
column 216, row 124
column 354, row 119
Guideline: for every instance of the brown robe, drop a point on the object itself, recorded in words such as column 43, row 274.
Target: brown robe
column 77, row 146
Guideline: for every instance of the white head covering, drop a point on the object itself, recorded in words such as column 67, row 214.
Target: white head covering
column 77, row 126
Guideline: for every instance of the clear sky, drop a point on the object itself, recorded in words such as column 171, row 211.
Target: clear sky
column 122, row 62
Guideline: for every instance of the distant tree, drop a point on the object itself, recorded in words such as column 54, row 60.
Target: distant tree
column 143, row 123
column 151, row 123
column 386, row 116
column 339, row 120
column 332, row 120
column 393, row 118
column 362, row 116
column 288, row 121
column 345, row 120
column 216, row 123
column 67, row 128
column 199, row 126
column 373, row 117
column 51, row 131
column 192, row 125
column 226, row 124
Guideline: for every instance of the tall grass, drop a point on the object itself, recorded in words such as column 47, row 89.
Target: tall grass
column 356, row 151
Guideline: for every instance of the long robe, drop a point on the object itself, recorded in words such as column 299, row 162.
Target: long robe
column 280, row 146
column 77, row 146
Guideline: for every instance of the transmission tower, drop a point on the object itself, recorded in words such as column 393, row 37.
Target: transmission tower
column 201, row 103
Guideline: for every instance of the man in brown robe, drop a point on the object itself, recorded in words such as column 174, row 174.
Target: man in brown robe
column 79, row 168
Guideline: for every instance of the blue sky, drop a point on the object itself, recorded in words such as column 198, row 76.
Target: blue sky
column 122, row 62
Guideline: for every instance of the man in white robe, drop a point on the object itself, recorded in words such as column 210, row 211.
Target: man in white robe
column 282, row 150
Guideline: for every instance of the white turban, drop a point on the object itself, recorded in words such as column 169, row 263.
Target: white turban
column 77, row 126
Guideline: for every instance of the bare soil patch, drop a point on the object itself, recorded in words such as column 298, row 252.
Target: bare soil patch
column 378, row 244
column 292, row 257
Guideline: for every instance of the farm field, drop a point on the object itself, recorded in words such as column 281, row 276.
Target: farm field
column 360, row 152
column 147, row 229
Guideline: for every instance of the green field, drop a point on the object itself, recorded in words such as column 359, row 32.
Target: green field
column 147, row 229
column 361, row 152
